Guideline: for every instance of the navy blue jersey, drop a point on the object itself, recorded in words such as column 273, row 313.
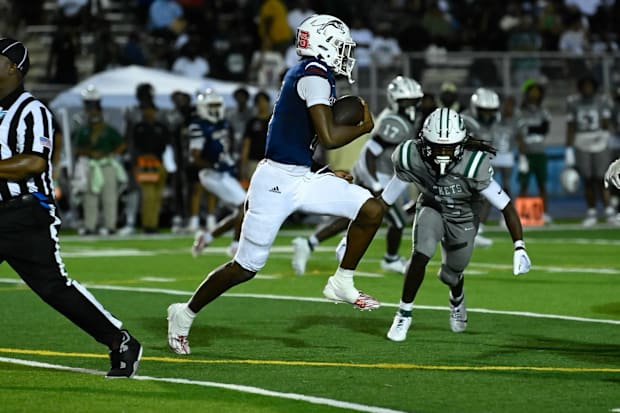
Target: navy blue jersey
column 291, row 134
column 214, row 140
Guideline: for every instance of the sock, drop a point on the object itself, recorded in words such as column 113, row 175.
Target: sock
column 188, row 311
column 342, row 280
column 313, row 241
column 405, row 309
column 194, row 221
column 344, row 275
column 208, row 238
column 592, row 212
column 455, row 301
column 390, row 258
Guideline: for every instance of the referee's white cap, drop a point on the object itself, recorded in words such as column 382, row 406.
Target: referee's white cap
column 16, row 52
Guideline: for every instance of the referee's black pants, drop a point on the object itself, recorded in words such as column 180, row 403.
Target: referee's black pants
column 29, row 244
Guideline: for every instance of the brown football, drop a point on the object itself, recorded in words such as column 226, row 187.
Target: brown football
column 348, row 110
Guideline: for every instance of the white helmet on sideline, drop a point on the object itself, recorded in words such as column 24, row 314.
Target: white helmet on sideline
column 570, row 180
column 329, row 39
column 210, row 106
column 484, row 100
column 404, row 89
column 90, row 94
column 442, row 138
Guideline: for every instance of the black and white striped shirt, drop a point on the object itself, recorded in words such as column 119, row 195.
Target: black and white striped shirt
column 26, row 127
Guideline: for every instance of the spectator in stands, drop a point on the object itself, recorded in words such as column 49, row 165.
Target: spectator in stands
column 384, row 48
column 166, row 19
column 549, row 26
column 273, row 28
column 298, row 14
column 524, row 38
column 438, row 25
column 238, row 116
column 106, row 51
column 255, row 136
column 190, row 63
column 61, row 67
column 99, row 144
column 534, row 121
column 150, row 140
column 133, row 52
column 575, row 40
column 267, row 66
column 587, row 144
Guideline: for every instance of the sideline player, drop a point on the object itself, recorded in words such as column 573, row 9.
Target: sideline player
column 613, row 174
column 211, row 142
column 373, row 170
column 29, row 220
column 284, row 182
column 452, row 173
column 587, row 145
column 481, row 120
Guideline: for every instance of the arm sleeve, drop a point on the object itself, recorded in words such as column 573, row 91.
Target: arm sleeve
column 315, row 90
column 496, row 195
column 196, row 137
column 395, row 188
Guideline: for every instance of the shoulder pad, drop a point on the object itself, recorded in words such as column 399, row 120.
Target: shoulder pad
column 477, row 166
column 393, row 129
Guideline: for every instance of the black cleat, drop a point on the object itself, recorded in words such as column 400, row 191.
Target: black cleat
column 125, row 359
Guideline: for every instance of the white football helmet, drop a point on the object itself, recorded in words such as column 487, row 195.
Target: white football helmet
column 210, row 106
column 570, row 180
column 406, row 90
column 484, row 105
column 442, row 138
column 329, row 39
column 90, row 94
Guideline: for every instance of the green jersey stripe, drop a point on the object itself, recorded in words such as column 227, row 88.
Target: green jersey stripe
column 474, row 163
column 404, row 155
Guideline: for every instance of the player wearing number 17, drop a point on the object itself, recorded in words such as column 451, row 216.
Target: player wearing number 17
column 452, row 173
column 285, row 182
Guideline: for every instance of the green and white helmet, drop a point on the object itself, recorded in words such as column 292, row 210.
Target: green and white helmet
column 442, row 138
column 404, row 95
column 484, row 105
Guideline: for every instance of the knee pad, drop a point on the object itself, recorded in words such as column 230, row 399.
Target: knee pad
column 448, row 276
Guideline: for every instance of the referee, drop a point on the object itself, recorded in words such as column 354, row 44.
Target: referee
column 29, row 222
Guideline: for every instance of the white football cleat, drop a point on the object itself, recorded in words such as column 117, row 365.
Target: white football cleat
column 177, row 335
column 301, row 254
column 350, row 295
column 200, row 243
column 458, row 315
column 482, row 242
column 398, row 265
column 399, row 328
column 590, row 219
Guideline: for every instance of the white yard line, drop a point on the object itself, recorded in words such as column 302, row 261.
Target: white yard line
column 323, row 300
column 234, row 387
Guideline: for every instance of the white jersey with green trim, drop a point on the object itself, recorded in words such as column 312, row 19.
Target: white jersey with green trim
column 456, row 194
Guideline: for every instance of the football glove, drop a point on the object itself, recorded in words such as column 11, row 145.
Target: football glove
column 613, row 174
column 569, row 156
column 521, row 263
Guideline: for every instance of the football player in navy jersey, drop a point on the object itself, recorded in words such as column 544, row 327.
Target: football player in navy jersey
column 211, row 142
column 287, row 181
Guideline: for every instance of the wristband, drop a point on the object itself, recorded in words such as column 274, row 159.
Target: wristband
column 519, row 244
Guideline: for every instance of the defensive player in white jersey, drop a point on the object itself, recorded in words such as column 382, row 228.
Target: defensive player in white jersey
column 481, row 119
column 587, row 144
column 452, row 173
column 373, row 170
column 284, row 181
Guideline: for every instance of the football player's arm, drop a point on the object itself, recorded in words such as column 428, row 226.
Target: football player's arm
column 499, row 199
column 368, row 161
column 571, row 128
column 316, row 91
column 395, row 188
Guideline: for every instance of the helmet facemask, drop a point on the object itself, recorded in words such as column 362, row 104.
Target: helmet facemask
column 210, row 106
column 441, row 156
column 408, row 108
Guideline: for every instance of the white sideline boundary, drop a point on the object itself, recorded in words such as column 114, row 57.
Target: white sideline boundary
column 227, row 386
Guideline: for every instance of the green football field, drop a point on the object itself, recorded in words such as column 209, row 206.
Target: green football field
column 547, row 341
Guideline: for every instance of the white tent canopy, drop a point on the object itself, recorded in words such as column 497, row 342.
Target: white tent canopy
column 118, row 88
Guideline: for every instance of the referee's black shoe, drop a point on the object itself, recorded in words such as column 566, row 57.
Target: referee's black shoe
column 125, row 359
